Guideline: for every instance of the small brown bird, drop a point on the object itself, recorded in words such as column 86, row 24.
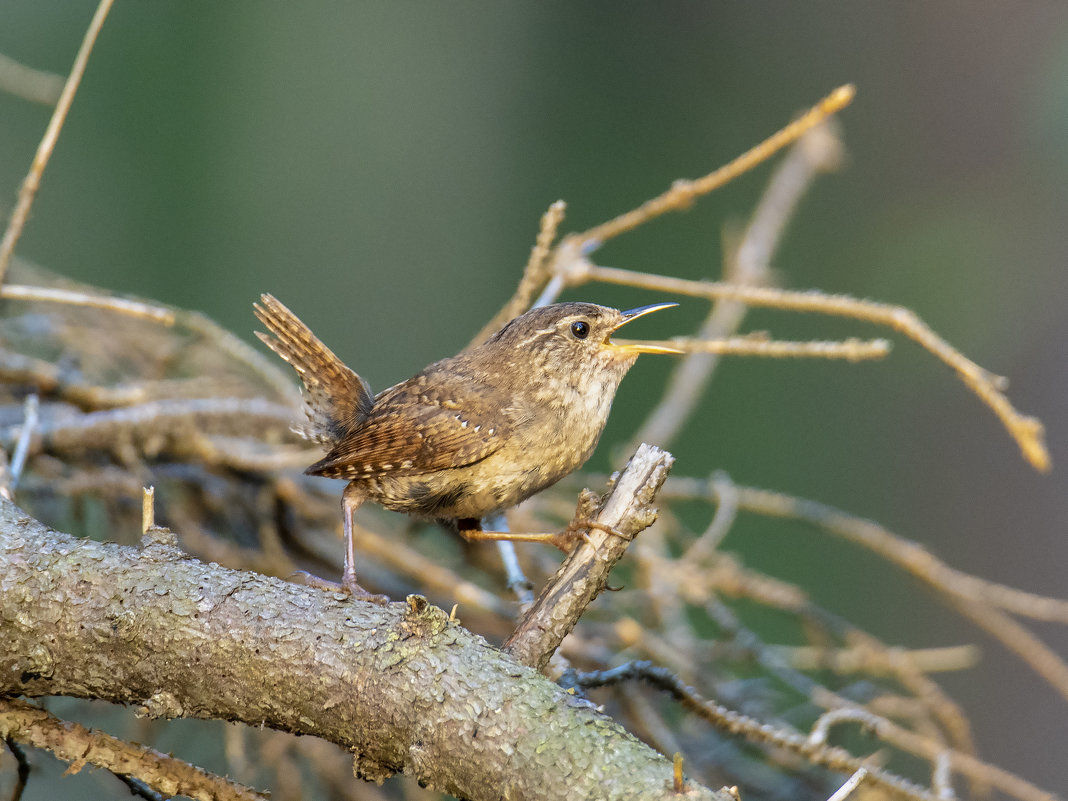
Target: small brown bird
column 469, row 435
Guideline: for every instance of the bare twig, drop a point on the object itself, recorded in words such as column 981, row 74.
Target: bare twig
column 48, row 142
column 31, row 84
column 158, row 419
column 818, row 752
column 134, row 308
column 977, row 598
column 851, row 784
column 816, row 151
column 148, row 508
column 860, row 659
column 1027, row 431
column 30, row 421
column 683, row 193
column 535, row 274
column 24, row 723
column 834, row 758
column 851, row 349
column 905, row 553
column 627, row 510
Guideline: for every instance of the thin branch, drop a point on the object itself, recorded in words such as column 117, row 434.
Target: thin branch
column 1014, row 636
column 1027, row 431
column 584, row 574
column 37, row 86
column 535, row 274
column 977, row 598
column 48, row 143
column 851, row 784
column 30, row 421
column 750, row 265
column 683, row 193
column 861, row 660
column 133, row 308
column 885, row 661
column 148, row 508
column 180, row 419
column 832, row 757
column 24, row 723
column 903, row 552
column 852, row 349
column 816, row 752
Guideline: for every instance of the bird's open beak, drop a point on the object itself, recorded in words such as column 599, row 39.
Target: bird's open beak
column 629, row 346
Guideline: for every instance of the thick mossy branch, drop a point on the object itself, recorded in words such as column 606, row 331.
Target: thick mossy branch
column 401, row 686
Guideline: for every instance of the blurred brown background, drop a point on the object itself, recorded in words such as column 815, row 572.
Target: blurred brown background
column 381, row 168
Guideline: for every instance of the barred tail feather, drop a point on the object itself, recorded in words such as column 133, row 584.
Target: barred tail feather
column 336, row 399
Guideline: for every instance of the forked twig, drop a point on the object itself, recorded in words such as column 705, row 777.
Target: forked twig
column 683, row 193
column 627, row 511
column 749, row 264
column 1027, row 431
column 980, row 600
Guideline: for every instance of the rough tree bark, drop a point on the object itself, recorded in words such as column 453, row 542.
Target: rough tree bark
column 401, row 686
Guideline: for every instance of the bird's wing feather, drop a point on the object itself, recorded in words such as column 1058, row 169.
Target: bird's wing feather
column 418, row 427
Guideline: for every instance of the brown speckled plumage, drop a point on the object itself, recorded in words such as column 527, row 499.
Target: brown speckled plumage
column 470, row 435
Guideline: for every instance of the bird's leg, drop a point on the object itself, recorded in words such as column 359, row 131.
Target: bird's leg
column 351, row 499
column 567, row 540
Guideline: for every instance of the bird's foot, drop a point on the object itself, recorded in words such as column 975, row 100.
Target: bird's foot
column 567, row 540
column 579, row 531
column 347, row 586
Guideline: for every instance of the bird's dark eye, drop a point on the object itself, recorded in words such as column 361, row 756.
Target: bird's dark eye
column 580, row 330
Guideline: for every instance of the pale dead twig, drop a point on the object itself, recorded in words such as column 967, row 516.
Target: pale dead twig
column 1042, row 659
column 935, row 752
column 881, row 659
column 148, row 508
column 1027, row 431
column 31, row 84
column 270, row 370
column 851, row 784
column 734, row 723
column 980, row 600
column 858, row 659
column 702, row 586
column 903, row 552
column 683, row 193
column 133, row 308
column 749, row 264
column 30, row 421
column 199, row 324
column 535, row 274
column 726, row 500
column 852, row 349
column 48, row 142
column 627, row 511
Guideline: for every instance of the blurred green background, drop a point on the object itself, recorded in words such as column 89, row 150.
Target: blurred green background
column 382, row 167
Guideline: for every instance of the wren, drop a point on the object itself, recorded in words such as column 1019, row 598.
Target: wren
column 470, row 435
